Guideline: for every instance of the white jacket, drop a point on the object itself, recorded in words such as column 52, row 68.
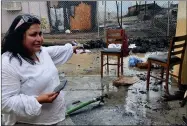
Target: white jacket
column 21, row 84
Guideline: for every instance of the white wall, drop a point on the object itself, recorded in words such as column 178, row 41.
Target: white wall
column 182, row 30
column 35, row 8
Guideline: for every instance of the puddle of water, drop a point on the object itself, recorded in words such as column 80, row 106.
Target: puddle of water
column 126, row 105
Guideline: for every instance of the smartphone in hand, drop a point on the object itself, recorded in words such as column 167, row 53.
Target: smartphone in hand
column 60, row 86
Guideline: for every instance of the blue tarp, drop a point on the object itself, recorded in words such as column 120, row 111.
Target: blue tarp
column 133, row 61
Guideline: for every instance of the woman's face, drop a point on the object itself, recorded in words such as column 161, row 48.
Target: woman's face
column 33, row 39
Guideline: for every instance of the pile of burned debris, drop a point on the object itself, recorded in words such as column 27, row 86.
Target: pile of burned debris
column 144, row 45
column 94, row 44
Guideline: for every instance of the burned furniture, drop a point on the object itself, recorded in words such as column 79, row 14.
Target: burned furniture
column 174, row 56
column 113, row 36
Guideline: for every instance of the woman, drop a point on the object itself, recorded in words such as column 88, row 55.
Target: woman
column 29, row 75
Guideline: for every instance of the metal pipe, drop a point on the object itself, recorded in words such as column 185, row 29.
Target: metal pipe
column 48, row 14
column 168, row 19
column 79, row 106
column 104, row 23
column 153, row 15
column 105, row 16
column 83, row 104
column 56, row 23
column 97, row 18
column 121, row 15
column 145, row 7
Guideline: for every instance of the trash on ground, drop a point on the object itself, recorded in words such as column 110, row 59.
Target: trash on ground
column 142, row 77
column 125, row 81
column 132, row 46
column 94, row 44
column 133, row 61
column 144, row 45
column 80, row 51
column 143, row 65
column 67, row 31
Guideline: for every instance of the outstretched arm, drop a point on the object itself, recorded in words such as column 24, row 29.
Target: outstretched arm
column 60, row 54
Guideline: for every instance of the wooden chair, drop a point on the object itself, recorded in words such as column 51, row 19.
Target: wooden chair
column 177, row 47
column 113, row 36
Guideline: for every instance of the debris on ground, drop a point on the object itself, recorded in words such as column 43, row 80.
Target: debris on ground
column 131, row 46
column 95, row 44
column 90, row 44
column 68, row 31
column 139, row 49
column 155, row 89
column 146, row 106
column 142, row 77
column 125, row 80
column 143, row 45
column 134, row 60
column 143, row 92
column 178, row 95
column 158, row 82
column 143, row 65
column 80, row 51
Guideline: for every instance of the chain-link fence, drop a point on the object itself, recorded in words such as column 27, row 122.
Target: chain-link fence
column 87, row 20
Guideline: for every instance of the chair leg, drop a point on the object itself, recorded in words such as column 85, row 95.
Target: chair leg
column 167, row 78
column 179, row 75
column 107, row 66
column 118, row 64
column 148, row 74
column 122, row 65
column 101, row 65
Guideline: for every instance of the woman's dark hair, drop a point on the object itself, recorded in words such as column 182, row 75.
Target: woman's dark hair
column 13, row 40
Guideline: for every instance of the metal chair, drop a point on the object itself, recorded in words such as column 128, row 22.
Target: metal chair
column 113, row 36
column 177, row 47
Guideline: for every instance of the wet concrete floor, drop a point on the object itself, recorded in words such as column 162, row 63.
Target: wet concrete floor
column 126, row 105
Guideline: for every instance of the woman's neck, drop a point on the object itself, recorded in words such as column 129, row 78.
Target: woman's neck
column 34, row 57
